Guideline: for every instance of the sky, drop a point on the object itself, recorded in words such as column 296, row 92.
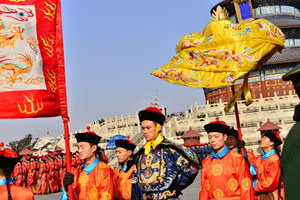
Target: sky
column 110, row 49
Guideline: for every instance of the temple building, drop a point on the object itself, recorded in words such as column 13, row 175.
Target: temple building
column 267, row 82
column 191, row 138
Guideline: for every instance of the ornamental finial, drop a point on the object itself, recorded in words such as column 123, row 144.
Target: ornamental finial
column 219, row 14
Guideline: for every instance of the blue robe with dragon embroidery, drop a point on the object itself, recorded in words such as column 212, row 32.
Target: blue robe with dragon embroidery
column 164, row 172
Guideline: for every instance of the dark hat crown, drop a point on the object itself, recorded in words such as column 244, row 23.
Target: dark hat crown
column 126, row 144
column 88, row 136
column 153, row 114
column 274, row 136
column 233, row 132
column 217, row 126
column 8, row 157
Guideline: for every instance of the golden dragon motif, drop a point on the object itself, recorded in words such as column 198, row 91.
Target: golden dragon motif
column 15, row 71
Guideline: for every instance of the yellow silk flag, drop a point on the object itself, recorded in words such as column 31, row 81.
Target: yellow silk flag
column 222, row 53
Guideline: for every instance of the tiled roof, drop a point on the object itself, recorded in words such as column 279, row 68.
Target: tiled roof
column 287, row 55
column 25, row 151
column 268, row 126
column 191, row 133
column 282, row 20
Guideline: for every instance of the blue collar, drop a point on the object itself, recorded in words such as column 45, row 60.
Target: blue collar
column 3, row 181
column 123, row 168
column 221, row 154
column 91, row 166
column 268, row 154
column 245, row 153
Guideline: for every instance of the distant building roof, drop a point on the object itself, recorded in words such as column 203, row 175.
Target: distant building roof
column 287, row 55
column 269, row 126
column 57, row 148
column 25, row 151
column 282, row 20
column 190, row 134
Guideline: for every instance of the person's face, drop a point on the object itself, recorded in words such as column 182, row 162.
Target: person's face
column 231, row 141
column 123, row 155
column 86, row 150
column 148, row 129
column 217, row 140
column 265, row 142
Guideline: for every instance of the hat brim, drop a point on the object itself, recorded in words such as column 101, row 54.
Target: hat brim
column 151, row 115
column 273, row 138
column 234, row 133
column 88, row 137
column 6, row 162
column 216, row 128
column 124, row 144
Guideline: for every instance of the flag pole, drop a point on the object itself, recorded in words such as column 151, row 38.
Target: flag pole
column 238, row 124
column 68, row 154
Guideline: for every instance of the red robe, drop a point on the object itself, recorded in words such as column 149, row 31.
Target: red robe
column 268, row 174
column 42, row 186
column 227, row 178
column 17, row 193
column 123, row 183
column 31, row 176
column 96, row 181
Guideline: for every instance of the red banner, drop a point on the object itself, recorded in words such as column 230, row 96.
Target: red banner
column 32, row 74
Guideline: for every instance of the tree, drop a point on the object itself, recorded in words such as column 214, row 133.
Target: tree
column 19, row 145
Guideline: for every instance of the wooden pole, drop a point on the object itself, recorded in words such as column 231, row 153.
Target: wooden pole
column 237, row 117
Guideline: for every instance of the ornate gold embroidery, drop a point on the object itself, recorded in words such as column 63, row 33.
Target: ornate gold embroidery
column 237, row 170
column 100, row 178
column 32, row 43
column 33, row 81
column 39, row 106
column 93, row 194
column 217, row 170
column 49, row 43
column 207, row 185
column 274, row 157
column 235, row 154
column 50, row 11
column 52, row 80
column 83, row 179
column 233, row 184
column 106, row 196
column 218, row 193
column 102, row 165
column 246, row 184
column 167, row 194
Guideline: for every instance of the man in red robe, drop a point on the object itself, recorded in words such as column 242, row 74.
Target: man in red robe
column 124, row 172
column 268, row 167
column 94, row 179
column 8, row 190
column 225, row 173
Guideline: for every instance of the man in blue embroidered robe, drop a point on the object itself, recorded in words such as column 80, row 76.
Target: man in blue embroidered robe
column 163, row 169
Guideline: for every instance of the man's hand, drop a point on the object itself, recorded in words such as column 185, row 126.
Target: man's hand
column 68, row 179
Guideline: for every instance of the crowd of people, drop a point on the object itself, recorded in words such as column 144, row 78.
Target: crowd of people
column 160, row 169
column 43, row 174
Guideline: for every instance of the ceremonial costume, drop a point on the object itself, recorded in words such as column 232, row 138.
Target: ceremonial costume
column 8, row 159
column 17, row 192
column 268, row 170
column 32, row 176
column 124, row 173
column 42, row 186
column 290, row 159
column 163, row 169
column 95, row 181
column 225, row 175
